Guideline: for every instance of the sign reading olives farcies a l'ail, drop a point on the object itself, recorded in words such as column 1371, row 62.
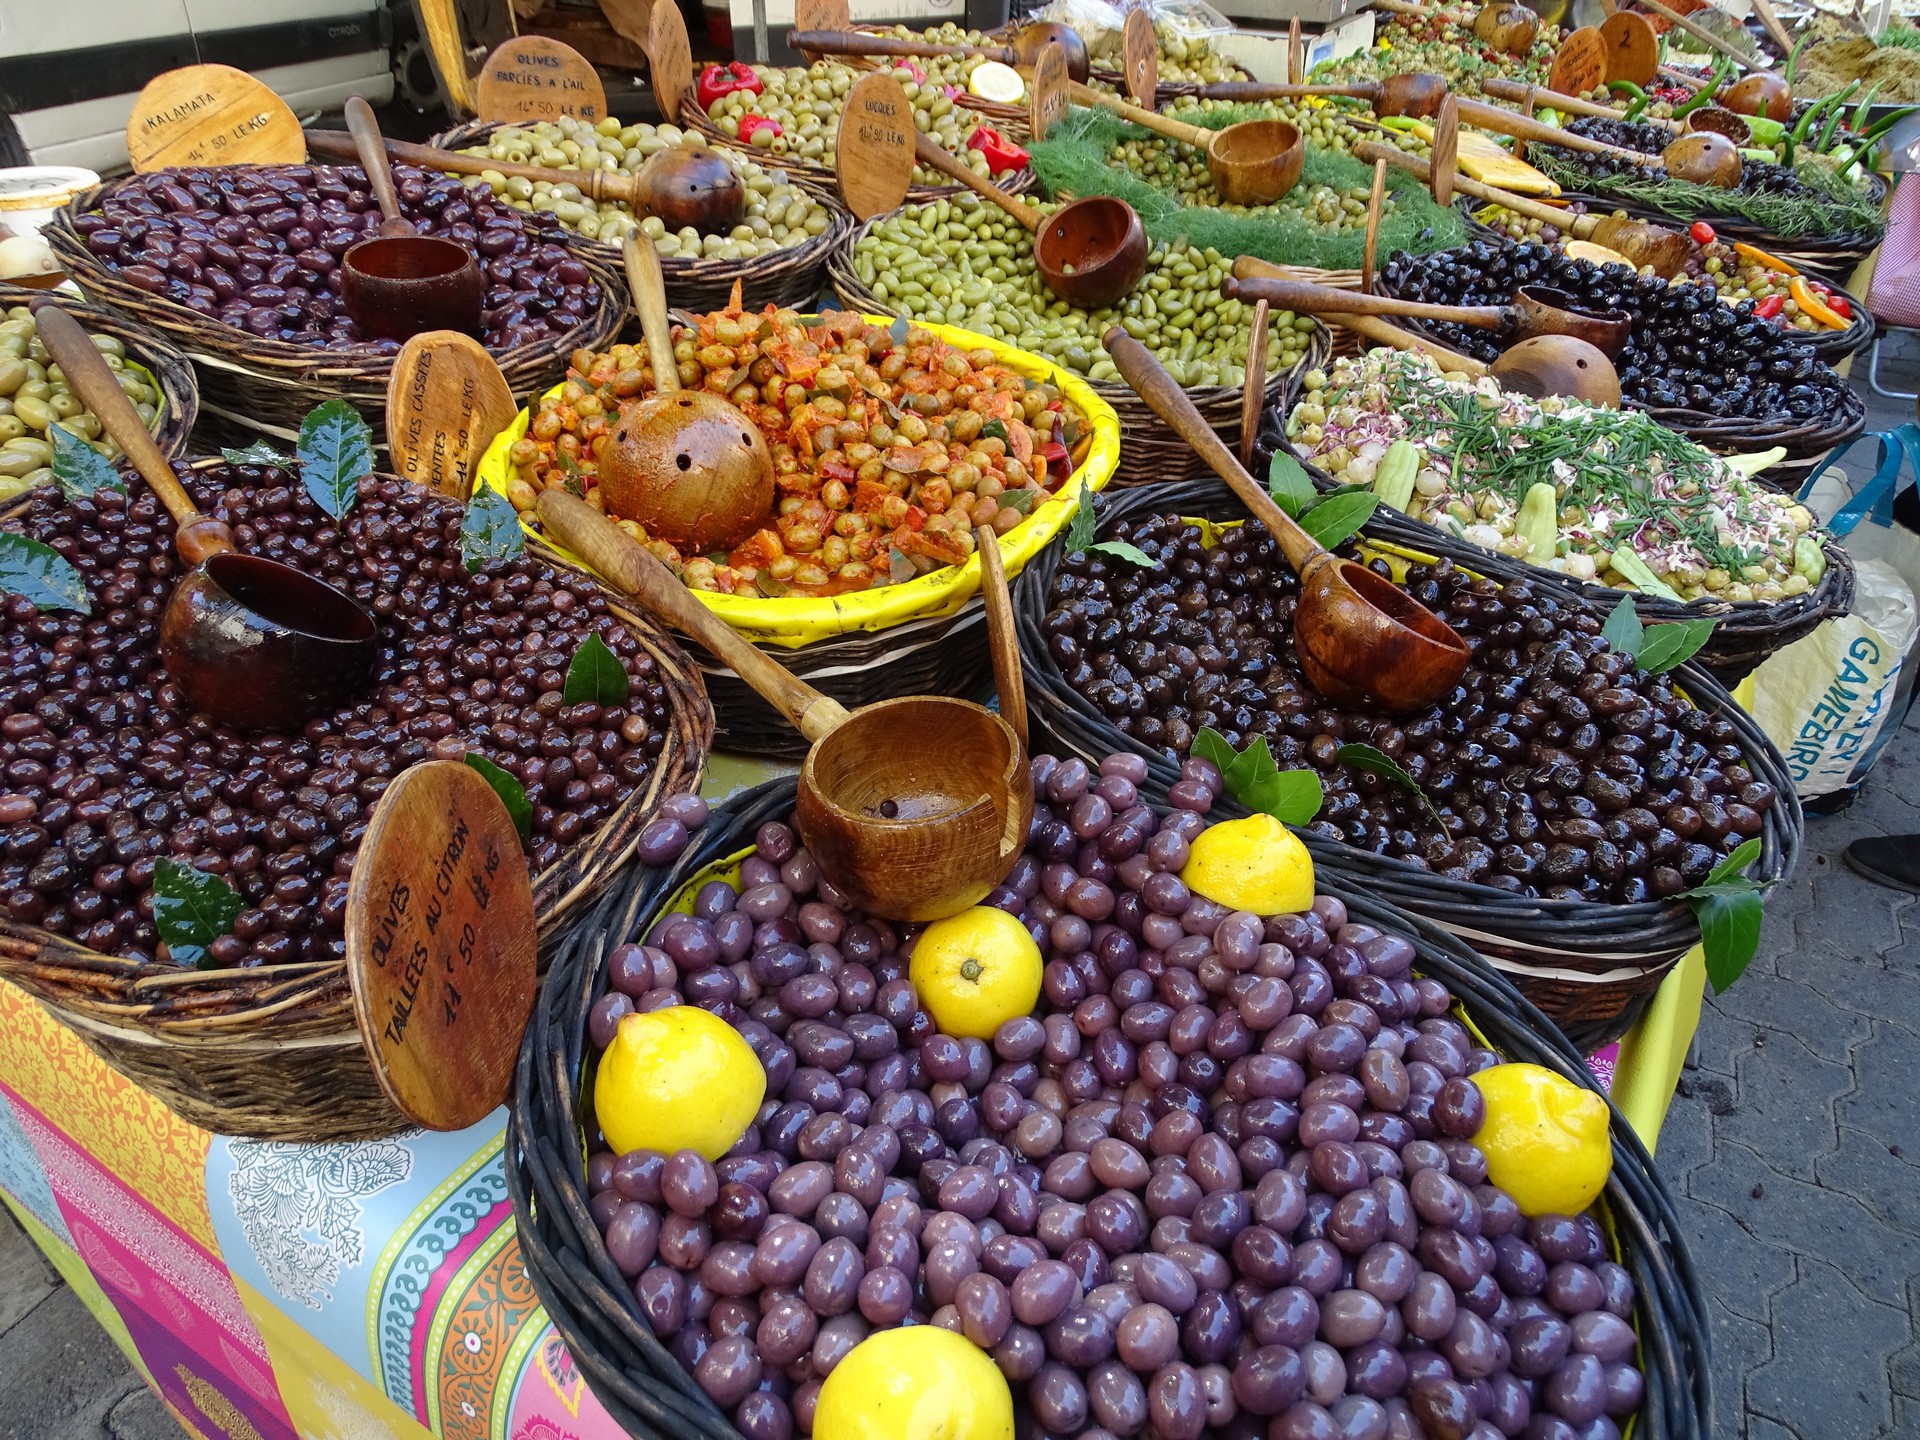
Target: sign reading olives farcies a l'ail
column 441, row 945
column 211, row 115
column 531, row 77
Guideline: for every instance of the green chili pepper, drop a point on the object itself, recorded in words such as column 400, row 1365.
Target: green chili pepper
column 1887, row 122
column 1859, row 121
column 1704, row 95
column 1834, row 117
column 1640, row 98
column 1793, row 60
column 1766, row 131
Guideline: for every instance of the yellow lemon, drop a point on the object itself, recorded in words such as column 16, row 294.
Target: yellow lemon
column 993, row 81
column 917, row 1383
column 1545, row 1139
column 975, row 971
column 1253, row 864
column 677, row 1079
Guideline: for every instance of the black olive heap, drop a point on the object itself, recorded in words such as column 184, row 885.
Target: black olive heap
column 104, row 772
column 1221, row 1182
column 258, row 248
column 1557, row 768
column 1686, row 350
column 1757, row 177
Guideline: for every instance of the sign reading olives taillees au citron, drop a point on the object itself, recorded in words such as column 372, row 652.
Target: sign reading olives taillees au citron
column 533, row 78
column 441, row 944
column 211, row 115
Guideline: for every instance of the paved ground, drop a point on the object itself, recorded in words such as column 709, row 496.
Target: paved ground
column 1793, row 1146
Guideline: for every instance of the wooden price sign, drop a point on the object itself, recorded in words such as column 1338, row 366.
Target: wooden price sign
column 1253, row 384
column 441, row 945
column 669, row 61
column 1140, row 57
column 533, row 78
column 1581, row 64
column 821, row 15
column 1444, row 163
column 211, row 115
column 1633, row 50
column 446, row 400
column 874, row 156
column 1049, row 89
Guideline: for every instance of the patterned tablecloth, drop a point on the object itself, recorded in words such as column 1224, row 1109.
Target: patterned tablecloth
column 365, row 1291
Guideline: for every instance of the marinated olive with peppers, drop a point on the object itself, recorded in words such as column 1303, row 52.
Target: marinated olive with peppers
column 1220, row 1181
column 1556, row 768
column 888, row 451
column 104, row 772
column 1686, row 349
column 258, row 248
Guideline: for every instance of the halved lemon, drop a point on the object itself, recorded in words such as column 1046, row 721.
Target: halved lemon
column 993, row 81
column 1598, row 254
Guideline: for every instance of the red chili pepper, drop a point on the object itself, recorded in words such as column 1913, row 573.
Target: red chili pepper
column 1001, row 153
column 1701, row 232
column 1059, row 461
column 1770, row 307
column 716, row 81
column 752, row 125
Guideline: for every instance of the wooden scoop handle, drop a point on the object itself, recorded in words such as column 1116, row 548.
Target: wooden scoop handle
column 595, row 184
column 1371, row 150
column 1371, row 326
column 1002, row 640
column 367, row 144
column 856, row 42
column 627, row 565
column 1198, row 136
column 649, row 289
column 1152, row 383
column 1539, row 97
column 1525, row 127
column 930, row 153
column 88, row 376
column 1252, row 90
column 1304, row 297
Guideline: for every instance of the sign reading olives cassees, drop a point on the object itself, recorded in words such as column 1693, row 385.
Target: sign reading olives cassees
column 211, row 115
column 441, row 944
column 531, row 77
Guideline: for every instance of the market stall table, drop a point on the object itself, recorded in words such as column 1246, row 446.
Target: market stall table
column 371, row 1289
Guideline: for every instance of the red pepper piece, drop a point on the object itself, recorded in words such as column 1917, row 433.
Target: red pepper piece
column 1768, row 308
column 752, row 125
column 1001, row 153
column 716, row 81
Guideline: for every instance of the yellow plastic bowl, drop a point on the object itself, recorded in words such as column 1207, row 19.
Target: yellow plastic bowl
column 799, row 620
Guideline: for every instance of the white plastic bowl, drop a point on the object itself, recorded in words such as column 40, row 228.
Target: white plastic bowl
column 29, row 194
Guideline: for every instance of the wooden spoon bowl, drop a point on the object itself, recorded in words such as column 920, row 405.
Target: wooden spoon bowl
column 1030, row 40
column 1546, row 311
column 1721, row 121
column 1510, row 27
column 264, row 646
column 1092, row 252
column 1345, row 609
column 1256, row 162
column 1760, row 94
column 1704, row 157
column 1545, row 365
column 398, row 287
column 690, row 185
column 917, row 807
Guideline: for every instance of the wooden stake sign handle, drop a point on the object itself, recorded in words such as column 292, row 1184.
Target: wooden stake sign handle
column 1140, row 57
column 1003, row 640
column 211, row 115
column 531, row 77
column 1375, row 202
column 1296, row 59
column 441, row 945
column 1253, row 385
column 1446, row 151
column 446, row 400
column 1048, row 90
column 875, row 153
column 669, row 61
column 932, row 155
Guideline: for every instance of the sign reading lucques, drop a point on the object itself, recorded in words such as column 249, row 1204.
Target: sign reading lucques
column 441, row 944
column 533, row 78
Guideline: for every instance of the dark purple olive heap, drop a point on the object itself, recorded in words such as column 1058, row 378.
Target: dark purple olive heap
column 1757, row 177
column 1558, row 768
column 1220, row 1182
column 1686, row 349
column 103, row 772
column 258, row 247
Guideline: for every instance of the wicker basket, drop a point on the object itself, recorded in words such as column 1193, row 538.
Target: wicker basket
column 1832, row 346
column 1805, row 441
column 1745, row 632
column 251, row 386
column 179, row 393
column 1592, row 968
column 786, row 277
column 645, row 1389
column 274, row 1052
column 1149, row 452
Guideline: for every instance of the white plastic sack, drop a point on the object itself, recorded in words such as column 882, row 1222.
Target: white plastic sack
column 1825, row 699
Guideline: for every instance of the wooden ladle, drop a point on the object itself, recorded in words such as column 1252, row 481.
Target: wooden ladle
column 1537, row 310
column 1641, row 243
column 1091, row 252
column 686, row 464
column 683, row 184
column 915, row 807
column 1362, row 641
column 1539, row 97
column 1028, row 41
column 254, row 643
column 398, row 283
column 1255, row 162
